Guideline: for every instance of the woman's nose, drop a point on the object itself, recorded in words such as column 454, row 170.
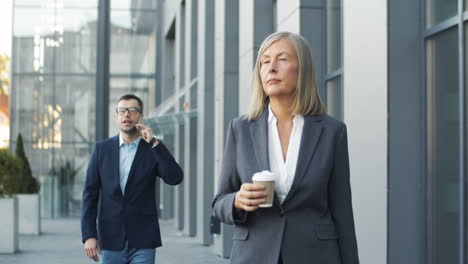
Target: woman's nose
column 273, row 67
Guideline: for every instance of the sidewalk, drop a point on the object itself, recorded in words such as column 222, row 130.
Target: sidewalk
column 60, row 244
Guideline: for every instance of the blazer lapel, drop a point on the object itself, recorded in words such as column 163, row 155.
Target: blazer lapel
column 114, row 152
column 309, row 140
column 259, row 135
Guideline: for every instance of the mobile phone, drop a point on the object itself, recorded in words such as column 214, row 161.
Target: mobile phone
column 138, row 122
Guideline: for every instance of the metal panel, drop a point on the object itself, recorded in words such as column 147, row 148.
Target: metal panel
column 226, row 93
column 406, row 156
column 462, row 169
column 205, row 109
column 102, row 71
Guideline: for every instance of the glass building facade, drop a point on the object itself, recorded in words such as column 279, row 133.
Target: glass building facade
column 445, row 49
column 191, row 60
column 53, row 99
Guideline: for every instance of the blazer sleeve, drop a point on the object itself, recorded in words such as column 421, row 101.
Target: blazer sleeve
column 90, row 198
column 340, row 201
column 168, row 169
column 223, row 202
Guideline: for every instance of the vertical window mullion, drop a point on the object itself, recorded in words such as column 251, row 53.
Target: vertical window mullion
column 462, row 133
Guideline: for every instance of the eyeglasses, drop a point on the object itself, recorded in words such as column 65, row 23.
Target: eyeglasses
column 131, row 110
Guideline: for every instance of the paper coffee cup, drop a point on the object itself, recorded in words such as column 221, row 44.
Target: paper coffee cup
column 266, row 179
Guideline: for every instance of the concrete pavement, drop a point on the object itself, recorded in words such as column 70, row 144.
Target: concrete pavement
column 60, row 244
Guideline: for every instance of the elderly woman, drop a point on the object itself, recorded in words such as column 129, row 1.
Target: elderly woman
column 287, row 132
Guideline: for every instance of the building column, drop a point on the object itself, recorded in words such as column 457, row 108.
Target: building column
column 164, row 86
column 205, row 126
column 365, row 107
column 256, row 24
column 226, row 94
column 179, row 69
column 307, row 18
column 190, row 69
column 407, row 199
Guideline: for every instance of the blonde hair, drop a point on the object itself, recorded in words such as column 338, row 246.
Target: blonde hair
column 307, row 99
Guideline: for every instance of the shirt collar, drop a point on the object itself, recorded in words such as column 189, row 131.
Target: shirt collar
column 298, row 119
column 122, row 142
column 271, row 115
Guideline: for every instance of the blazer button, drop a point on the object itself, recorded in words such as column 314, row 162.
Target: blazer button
column 281, row 213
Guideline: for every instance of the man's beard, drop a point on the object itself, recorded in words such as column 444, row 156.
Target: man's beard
column 131, row 131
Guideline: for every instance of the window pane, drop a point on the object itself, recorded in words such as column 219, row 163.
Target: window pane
column 135, row 4
column 44, row 41
column 443, row 147
column 51, row 4
column 333, row 35
column 440, row 10
column 76, row 51
column 56, row 118
column 335, row 98
column 75, row 100
column 53, row 105
column 133, row 42
column 32, row 32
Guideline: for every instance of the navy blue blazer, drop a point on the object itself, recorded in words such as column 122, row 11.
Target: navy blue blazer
column 132, row 217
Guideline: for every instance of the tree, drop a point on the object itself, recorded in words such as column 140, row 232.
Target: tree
column 9, row 172
column 4, row 74
column 28, row 184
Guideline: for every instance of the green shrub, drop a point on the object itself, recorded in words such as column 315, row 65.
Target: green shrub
column 27, row 183
column 10, row 169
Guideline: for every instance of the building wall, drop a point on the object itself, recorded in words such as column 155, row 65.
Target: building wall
column 367, row 72
column 230, row 46
column 365, row 113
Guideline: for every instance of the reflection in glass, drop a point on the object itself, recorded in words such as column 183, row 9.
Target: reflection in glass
column 133, row 42
column 133, row 4
column 51, row 4
column 33, row 35
column 443, row 147
column 53, row 97
column 43, row 42
column 335, row 98
column 77, row 50
column 440, row 10
column 333, row 35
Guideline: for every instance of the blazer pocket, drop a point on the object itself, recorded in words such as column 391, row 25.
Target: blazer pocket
column 325, row 234
column 241, row 233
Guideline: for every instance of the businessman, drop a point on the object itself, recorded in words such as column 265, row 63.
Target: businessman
column 122, row 175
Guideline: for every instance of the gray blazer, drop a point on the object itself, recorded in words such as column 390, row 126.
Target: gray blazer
column 315, row 222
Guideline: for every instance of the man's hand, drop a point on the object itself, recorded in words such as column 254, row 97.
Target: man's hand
column 250, row 196
column 145, row 132
column 92, row 249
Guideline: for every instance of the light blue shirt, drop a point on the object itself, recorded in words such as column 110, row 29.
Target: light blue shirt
column 126, row 155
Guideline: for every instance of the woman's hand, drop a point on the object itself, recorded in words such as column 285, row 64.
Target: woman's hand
column 249, row 197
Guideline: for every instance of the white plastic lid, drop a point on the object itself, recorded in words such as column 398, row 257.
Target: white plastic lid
column 264, row 176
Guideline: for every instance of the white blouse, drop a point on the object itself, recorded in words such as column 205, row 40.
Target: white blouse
column 285, row 170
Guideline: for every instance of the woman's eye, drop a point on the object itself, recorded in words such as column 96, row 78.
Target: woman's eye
column 266, row 62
